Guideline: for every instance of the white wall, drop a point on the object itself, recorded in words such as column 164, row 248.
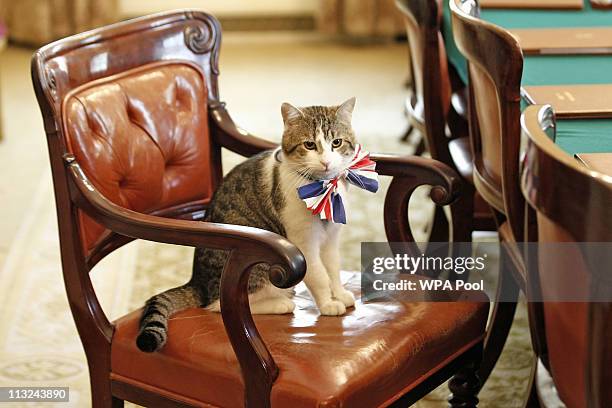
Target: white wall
column 221, row 7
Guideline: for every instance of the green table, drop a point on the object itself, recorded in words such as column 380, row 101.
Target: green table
column 574, row 136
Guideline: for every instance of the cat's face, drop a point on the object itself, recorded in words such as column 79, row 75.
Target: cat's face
column 318, row 141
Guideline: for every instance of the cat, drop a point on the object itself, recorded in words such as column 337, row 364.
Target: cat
column 318, row 143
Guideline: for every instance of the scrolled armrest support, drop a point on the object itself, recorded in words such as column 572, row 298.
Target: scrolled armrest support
column 410, row 172
column 445, row 183
column 259, row 370
column 247, row 247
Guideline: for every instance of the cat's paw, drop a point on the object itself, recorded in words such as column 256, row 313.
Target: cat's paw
column 288, row 292
column 283, row 305
column 345, row 296
column 332, row 308
column 278, row 305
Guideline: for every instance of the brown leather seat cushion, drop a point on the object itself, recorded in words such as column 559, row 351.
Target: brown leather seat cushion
column 365, row 358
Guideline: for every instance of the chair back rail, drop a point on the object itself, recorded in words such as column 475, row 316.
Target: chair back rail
column 431, row 84
column 495, row 64
column 577, row 336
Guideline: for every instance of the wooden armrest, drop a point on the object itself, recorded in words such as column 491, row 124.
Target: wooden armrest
column 410, row 172
column 227, row 134
column 248, row 246
column 445, row 181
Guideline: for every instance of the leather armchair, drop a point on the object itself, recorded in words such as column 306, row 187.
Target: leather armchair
column 495, row 66
column 135, row 129
column 568, row 279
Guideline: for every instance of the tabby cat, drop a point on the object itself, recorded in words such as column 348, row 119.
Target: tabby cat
column 318, row 143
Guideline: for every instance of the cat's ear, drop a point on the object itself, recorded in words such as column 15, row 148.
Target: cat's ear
column 290, row 113
column 345, row 110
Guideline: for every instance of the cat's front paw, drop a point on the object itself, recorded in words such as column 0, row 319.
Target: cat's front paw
column 283, row 305
column 332, row 308
column 278, row 305
column 345, row 296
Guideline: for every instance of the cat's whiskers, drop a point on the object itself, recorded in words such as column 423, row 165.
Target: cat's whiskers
column 293, row 181
column 299, row 177
column 299, row 172
column 295, row 176
column 305, row 174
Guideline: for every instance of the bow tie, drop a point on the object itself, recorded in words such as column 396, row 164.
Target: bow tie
column 323, row 197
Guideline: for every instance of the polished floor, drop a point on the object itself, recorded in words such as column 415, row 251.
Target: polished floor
column 38, row 341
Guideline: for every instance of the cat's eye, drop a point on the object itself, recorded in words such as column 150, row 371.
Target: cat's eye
column 336, row 143
column 310, row 145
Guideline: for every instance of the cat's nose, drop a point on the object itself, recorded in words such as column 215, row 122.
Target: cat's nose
column 326, row 163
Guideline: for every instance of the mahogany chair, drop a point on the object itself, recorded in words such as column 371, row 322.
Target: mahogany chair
column 573, row 339
column 135, row 129
column 437, row 109
column 495, row 64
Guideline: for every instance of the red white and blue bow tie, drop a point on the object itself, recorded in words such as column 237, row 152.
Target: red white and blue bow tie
column 323, row 197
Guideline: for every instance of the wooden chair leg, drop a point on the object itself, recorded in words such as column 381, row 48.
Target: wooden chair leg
column 532, row 400
column 439, row 227
column 465, row 384
column 501, row 318
column 439, row 233
column 420, row 147
column 462, row 214
column 407, row 134
column 100, row 400
column 101, row 395
column 104, row 401
column 462, row 221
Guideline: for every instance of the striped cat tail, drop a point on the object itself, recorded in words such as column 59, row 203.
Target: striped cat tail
column 154, row 321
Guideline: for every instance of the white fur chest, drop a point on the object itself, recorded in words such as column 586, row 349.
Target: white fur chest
column 296, row 218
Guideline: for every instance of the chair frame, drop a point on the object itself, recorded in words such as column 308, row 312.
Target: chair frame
column 426, row 15
column 586, row 220
column 495, row 51
column 431, row 121
column 499, row 54
column 179, row 225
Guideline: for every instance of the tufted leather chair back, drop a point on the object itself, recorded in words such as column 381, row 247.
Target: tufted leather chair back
column 575, row 216
column 142, row 138
column 130, row 103
column 495, row 66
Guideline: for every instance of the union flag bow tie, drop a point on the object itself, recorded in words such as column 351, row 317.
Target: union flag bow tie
column 323, row 197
